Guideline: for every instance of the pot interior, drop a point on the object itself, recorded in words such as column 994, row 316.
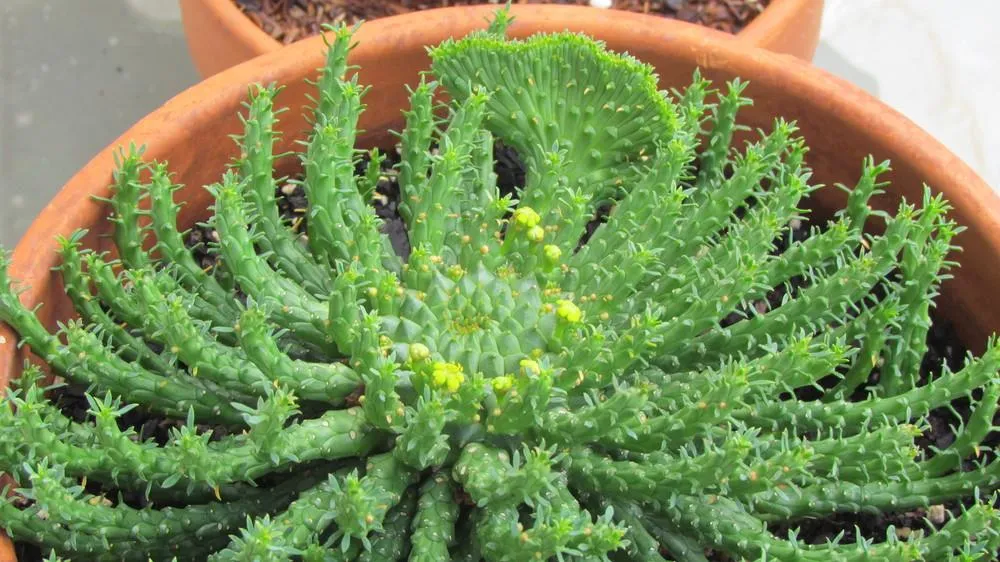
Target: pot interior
column 196, row 143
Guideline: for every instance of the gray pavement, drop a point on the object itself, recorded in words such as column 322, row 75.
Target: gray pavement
column 74, row 75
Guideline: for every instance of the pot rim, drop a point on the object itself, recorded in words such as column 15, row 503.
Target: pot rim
column 779, row 14
column 968, row 193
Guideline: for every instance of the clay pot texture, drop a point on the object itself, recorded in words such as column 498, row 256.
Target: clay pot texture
column 219, row 35
column 841, row 123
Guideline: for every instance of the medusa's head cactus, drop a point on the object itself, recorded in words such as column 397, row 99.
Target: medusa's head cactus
column 526, row 383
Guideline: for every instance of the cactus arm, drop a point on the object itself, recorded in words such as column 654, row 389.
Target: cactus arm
column 259, row 540
column 363, row 502
column 970, row 536
column 713, row 159
column 255, row 366
column 497, row 533
column 105, row 452
column 433, row 528
column 792, row 364
column 339, row 100
column 255, row 166
column 703, row 222
column 656, row 482
column 368, row 183
column 484, row 472
column 329, row 382
column 822, row 249
column 680, row 547
column 803, row 416
column 188, row 458
column 849, row 458
column 819, row 251
column 393, row 542
column 646, row 538
column 423, row 442
column 122, row 306
column 290, row 532
column 329, row 164
column 752, row 236
column 415, row 146
column 341, row 224
column 560, row 527
column 382, row 403
column 970, row 435
column 168, row 321
column 522, row 406
column 288, row 304
column 127, row 193
column 489, row 475
column 681, row 421
column 92, row 363
column 431, row 206
column 642, row 547
column 839, row 497
column 728, row 527
column 563, row 208
column 478, row 204
column 813, row 305
column 657, row 200
column 91, row 525
column 922, row 269
column 86, row 359
column 38, row 425
column 692, row 103
column 875, row 334
column 171, row 247
column 607, row 114
column 77, row 284
column 601, row 416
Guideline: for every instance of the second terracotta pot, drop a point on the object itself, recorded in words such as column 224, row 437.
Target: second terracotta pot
column 219, row 35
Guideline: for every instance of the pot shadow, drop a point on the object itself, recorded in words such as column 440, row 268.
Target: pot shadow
column 831, row 60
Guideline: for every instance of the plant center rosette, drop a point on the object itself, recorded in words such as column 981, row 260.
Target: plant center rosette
column 528, row 382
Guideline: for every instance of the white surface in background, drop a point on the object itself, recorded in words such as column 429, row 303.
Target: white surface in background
column 936, row 62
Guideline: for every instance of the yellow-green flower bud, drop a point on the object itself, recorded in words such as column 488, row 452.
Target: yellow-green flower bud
column 568, row 311
column 419, row 352
column 526, row 217
column 552, row 252
column 530, row 367
column 536, row 234
column 502, row 384
column 448, row 376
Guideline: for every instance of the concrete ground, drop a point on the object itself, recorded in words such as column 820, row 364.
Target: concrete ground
column 74, row 74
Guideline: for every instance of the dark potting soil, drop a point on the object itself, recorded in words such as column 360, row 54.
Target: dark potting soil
column 943, row 350
column 291, row 20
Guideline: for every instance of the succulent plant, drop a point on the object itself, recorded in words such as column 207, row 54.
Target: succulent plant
column 528, row 382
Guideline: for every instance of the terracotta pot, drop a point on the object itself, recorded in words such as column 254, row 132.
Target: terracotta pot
column 219, row 35
column 841, row 123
